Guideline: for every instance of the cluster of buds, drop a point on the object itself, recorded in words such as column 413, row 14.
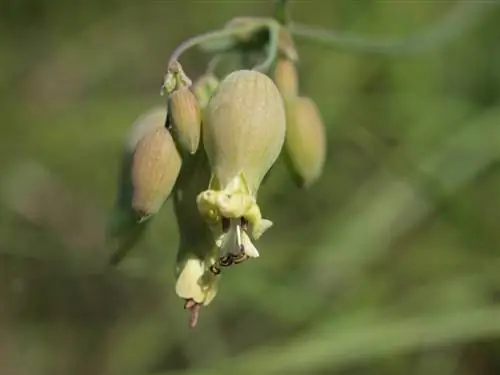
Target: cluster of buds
column 209, row 149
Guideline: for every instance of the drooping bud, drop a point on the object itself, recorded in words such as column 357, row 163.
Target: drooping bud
column 186, row 117
column 155, row 167
column 244, row 128
column 305, row 141
column 134, row 203
column 286, row 78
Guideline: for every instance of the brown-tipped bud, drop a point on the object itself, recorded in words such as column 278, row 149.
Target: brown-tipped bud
column 286, row 78
column 244, row 128
column 305, row 141
column 186, row 117
column 155, row 167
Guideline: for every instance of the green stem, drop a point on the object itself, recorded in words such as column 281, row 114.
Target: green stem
column 272, row 48
column 282, row 12
column 461, row 18
column 214, row 36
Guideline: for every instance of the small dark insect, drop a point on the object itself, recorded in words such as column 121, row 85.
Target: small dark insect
column 230, row 259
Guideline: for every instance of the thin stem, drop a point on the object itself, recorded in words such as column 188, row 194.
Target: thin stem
column 461, row 18
column 272, row 50
column 282, row 12
column 215, row 35
column 213, row 64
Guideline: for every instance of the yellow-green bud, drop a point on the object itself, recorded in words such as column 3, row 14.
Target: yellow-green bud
column 156, row 165
column 186, row 117
column 244, row 128
column 305, row 140
column 286, row 78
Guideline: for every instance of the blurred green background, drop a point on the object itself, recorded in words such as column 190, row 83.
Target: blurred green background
column 388, row 265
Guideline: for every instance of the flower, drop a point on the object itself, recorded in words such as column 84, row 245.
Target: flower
column 243, row 134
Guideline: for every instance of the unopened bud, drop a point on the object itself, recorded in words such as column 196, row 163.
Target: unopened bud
column 286, row 78
column 305, row 141
column 155, row 167
column 186, row 117
column 244, row 128
column 133, row 205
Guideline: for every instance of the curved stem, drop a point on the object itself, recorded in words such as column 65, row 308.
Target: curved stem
column 215, row 35
column 462, row 17
column 272, row 49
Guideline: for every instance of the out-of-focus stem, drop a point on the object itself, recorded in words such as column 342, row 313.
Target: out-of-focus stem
column 464, row 15
column 195, row 236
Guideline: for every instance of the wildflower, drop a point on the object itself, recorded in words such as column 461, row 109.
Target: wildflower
column 243, row 134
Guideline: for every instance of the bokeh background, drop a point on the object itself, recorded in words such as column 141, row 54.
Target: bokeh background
column 388, row 265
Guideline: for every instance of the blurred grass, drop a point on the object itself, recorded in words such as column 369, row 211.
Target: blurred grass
column 389, row 265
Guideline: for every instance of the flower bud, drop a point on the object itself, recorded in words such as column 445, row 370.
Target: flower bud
column 305, row 141
column 129, row 217
column 186, row 117
column 204, row 88
column 286, row 78
column 155, row 167
column 244, row 128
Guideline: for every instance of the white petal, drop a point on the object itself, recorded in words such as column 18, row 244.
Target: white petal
column 249, row 247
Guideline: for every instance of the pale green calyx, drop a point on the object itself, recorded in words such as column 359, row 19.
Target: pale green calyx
column 243, row 134
column 244, row 128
